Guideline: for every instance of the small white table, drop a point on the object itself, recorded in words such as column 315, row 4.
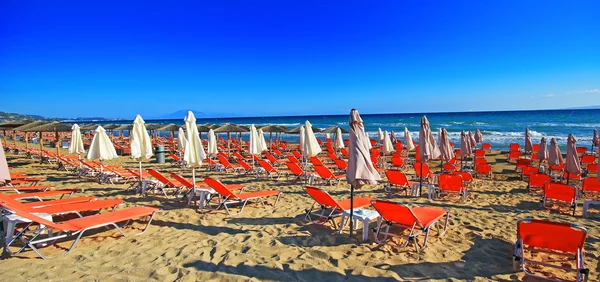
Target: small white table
column 414, row 190
column 586, row 204
column 202, row 193
column 363, row 215
column 10, row 221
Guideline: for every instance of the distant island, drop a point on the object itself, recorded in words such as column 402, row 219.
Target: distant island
column 5, row 116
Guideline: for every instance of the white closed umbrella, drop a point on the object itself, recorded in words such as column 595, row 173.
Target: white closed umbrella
column 302, row 137
column 4, row 173
column 140, row 142
column 254, row 147
column 380, row 133
column 339, row 141
column 181, row 140
column 101, row 147
column 194, row 153
column 369, row 146
column 311, row 145
column 212, row 143
column 388, row 148
column 263, row 142
column 408, row 140
column 76, row 146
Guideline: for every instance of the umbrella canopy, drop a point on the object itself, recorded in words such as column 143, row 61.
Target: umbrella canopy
column 14, row 123
column 4, row 173
column 194, row 153
column 254, row 147
column 393, row 137
column 153, row 126
column 29, row 125
column 408, row 140
column 125, row 127
column 472, row 140
column 203, row 128
column 595, row 139
column 339, row 141
column 528, row 145
column 263, row 142
column 139, row 140
column 101, row 148
column 50, row 127
column 211, row 126
column 230, row 128
column 111, row 126
column 273, row 128
column 212, row 143
column 334, row 129
column 170, row 127
column 554, row 156
column 360, row 169
column 380, row 134
column 88, row 127
column 283, row 128
column 388, row 148
column 478, row 136
column 542, row 153
column 302, row 138
column 572, row 164
column 311, row 146
column 76, row 146
column 465, row 144
column 181, row 139
column 428, row 149
column 446, row 152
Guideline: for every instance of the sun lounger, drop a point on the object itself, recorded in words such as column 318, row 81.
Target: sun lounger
column 397, row 179
column 230, row 198
column 328, row 176
column 560, row 195
column 269, row 170
column 325, row 208
column 559, row 242
column 452, row 184
column 537, row 181
column 39, row 195
column 65, row 208
column 165, row 184
column 417, row 220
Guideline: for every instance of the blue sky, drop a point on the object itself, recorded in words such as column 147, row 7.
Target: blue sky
column 254, row 58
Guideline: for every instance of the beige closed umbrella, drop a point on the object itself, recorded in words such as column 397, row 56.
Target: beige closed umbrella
column 446, row 151
column 4, row 173
column 263, row 142
column 339, row 140
column 212, row 143
column 311, row 145
column 478, row 136
column 388, row 148
column 528, row 144
column 554, row 156
column 595, row 140
column 193, row 154
column 572, row 164
column 361, row 170
column 465, row 147
column 542, row 153
column 140, row 143
column 428, row 149
column 408, row 140
column 302, row 139
column 472, row 141
column 380, row 134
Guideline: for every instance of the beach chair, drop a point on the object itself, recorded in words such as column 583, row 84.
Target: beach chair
column 514, row 147
column 28, row 189
column 486, row 146
column 73, row 227
column 274, row 161
column 451, row 184
column 230, row 198
column 571, row 176
column 328, row 176
column 397, row 179
column 415, row 220
column 325, row 208
column 513, row 155
column 468, row 179
column 560, row 195
column 246, row 168
column 590, row 187
column 537, row 181
column 398, row 161
column 341, row 164
column 558, row 242
column 293, row 159
column 227, row 166
column 268, row 169
column 166, row 184
column 300, row 174
column 581, row 150
column 591, row 170
column 422, row 171
column 526, row 171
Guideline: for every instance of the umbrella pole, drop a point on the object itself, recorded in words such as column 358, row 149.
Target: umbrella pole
column 57, row 143
column 41, row 148
column 194, row 185
column 351, row 209
column 141, row 181
column 421, row 180
column 568, row 176
column 271, row 142
column 229, row 144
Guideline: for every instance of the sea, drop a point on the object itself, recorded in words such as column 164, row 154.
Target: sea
column 500, row 128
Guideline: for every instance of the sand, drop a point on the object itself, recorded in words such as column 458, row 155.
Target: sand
column 185, row 244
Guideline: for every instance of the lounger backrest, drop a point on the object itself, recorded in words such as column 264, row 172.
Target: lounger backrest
column 396, row 177
column 244, row 165
column 344, row 151
column 581, row 150
column 395, row 212
column 546, row 234
column 267, row 166
column 523, row 162
column 182, row 180
column 480, row 153
column 559, row 191
column 277, row 152
column 23, row 213
column 323, row 171
column 514, row 154
column 397, row 161
column 294, row 168
column 592, row 168
column 588, row 159
column 332, row 156
column 486, row 146
column 293, row 159
column 160, row 177
column 321, row 197
column 238, row 155
column 297, row 154
column 425, row 171
column 539, row 179
column 514, row 147
column 315, row 161
column 450, row 182
column 224, row 161
column 270, row 157
column 591, row 184
column 219, row 187
column 341, row 164
column 465, row 175
column 175, row 157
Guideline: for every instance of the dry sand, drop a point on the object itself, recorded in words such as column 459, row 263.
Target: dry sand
column 276, row 244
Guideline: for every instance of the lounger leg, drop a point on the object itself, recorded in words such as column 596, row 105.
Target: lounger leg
column 277, row 200
column 148, row 225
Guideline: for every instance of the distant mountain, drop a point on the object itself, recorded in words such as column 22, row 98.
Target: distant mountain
column 4, row 116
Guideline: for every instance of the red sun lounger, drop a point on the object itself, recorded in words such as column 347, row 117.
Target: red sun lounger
column 230, row 198
column 326, row 208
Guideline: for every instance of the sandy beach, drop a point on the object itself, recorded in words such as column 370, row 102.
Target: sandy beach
column 185, row 244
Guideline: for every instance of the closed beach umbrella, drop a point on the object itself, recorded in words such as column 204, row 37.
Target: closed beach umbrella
column 140, row 142
column 302, row 139
column 339, row 140
column 212, row 143
column 76, row 146
column 380, row 133
column 595, row 140
column 361, row 170
column 101, row 147
column 446, row 152
column 4, row 173
column 263, row 142
column 478, row 136
column 572, row 164
column 393, row 137
column 465, row 147
column 528, row 145
column 472, row 141
column 428, row 149
column 311, row 146
column 368, row 139
column 388, row 148
column 254, row 147
column 554, row 156
column 408, row 140
column 194, row 153
column 181, row 139
column 542, row 153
